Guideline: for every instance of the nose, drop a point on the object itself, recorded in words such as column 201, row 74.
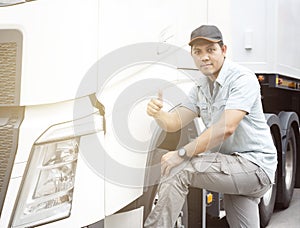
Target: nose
column 204, row 57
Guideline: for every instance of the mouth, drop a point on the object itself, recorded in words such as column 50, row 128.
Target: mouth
column 206, row 65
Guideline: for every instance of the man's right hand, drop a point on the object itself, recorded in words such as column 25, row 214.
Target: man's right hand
column 155, row 105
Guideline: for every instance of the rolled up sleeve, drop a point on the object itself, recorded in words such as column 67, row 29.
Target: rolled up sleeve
column 243, row 93
column 191, row 101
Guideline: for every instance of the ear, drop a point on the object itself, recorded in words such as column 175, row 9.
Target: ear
column 224, row 49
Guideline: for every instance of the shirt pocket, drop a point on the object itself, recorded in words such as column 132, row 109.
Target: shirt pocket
column 204, row 112
column 219, row 105
column 218, row 108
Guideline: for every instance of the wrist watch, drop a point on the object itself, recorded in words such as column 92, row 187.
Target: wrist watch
column 182, row 153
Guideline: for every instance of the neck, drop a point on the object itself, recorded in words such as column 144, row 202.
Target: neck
column 212, row 77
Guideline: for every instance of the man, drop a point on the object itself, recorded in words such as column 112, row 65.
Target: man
column 234, row 155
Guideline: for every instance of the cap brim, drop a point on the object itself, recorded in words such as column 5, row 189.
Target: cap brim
column 204, row 38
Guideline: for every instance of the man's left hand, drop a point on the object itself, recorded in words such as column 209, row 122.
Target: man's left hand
column 169, row 161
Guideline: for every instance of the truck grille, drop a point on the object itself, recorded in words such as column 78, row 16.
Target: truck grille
column 6, row 142
column 8, row 54
column 10, row 120
column 11, row 114
column 10, row 66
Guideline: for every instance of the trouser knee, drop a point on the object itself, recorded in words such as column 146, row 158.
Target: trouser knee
column 180, row 180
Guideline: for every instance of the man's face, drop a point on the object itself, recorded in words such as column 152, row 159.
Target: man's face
column 208, row 57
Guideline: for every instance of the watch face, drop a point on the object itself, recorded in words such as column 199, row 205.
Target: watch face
column 181, row 152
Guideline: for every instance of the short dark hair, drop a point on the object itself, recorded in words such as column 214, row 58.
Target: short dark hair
column 221, row 43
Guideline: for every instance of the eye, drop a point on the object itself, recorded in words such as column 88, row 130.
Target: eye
column 210, row 50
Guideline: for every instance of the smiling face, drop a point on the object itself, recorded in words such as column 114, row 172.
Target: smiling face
column 208, row 57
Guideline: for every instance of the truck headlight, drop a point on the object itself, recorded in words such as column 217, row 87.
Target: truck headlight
column 48, row 187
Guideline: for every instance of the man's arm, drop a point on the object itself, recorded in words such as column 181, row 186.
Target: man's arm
column 169, row 121
column 209, row 139
column 217, row 133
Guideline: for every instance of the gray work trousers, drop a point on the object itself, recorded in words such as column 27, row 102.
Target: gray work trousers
column 242, row 182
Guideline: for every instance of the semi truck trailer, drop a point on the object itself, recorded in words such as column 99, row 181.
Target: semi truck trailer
column 77, row 147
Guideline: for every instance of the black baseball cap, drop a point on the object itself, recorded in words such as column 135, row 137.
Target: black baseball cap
column 206, row 32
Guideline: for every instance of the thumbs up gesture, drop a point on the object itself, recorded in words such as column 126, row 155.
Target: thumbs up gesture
column 155, row 105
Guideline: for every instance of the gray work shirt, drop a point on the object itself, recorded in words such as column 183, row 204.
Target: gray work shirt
column 236, row 87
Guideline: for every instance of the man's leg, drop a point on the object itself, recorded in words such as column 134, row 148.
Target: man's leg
column 241, row 211
column 174, row 188
column 229, row 174
column 171, row 196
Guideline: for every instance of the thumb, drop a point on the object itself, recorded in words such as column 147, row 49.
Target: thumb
column 160, row 95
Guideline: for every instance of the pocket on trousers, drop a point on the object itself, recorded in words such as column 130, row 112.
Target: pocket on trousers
column 262, row 177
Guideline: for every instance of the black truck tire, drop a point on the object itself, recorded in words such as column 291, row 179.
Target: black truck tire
column 267, row 203
column 287, row 183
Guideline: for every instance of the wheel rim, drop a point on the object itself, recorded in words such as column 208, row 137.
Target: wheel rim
column 289, row 163
column 266, row 199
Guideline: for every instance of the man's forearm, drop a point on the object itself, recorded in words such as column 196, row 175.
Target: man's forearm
column 217, row 133
column 209, row 139
column 168, row 121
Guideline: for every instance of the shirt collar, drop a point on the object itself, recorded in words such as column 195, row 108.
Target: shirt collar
column 223, row 72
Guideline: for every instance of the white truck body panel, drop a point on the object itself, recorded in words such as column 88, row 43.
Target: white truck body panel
column 288, row 52
column 260, row 34
column 57, row 35
column 131, row 159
